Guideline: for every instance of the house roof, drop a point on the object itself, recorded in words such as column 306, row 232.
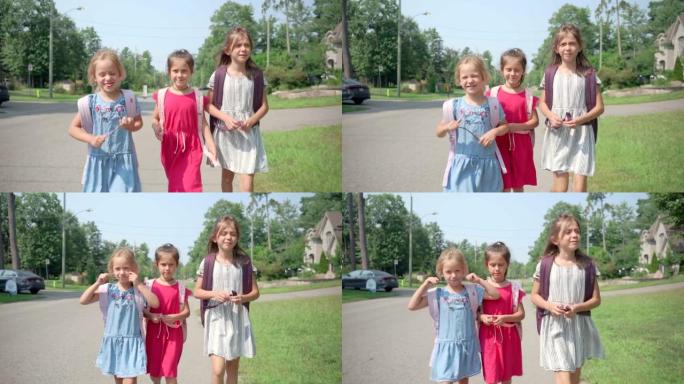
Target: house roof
column 335, row 219
column 672, row 30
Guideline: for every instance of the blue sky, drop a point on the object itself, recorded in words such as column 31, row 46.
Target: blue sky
column 155, row 218
column 492, row 25
column 517, row 219
column 159, row 26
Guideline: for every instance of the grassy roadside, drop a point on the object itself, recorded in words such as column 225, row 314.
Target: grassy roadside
column 298, row 342
column 307, row 159
column 642, row 339
column 639, row 153
column 351, row 295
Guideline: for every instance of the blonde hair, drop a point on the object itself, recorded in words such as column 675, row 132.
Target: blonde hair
column 105, row 54
column 450, row 254
column 127, row 254
column 475, row 61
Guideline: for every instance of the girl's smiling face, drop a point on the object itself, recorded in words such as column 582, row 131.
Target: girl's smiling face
column 107, row 76
column 567, row 48
column 470, row 78
column 179, row 73
column 513, row 72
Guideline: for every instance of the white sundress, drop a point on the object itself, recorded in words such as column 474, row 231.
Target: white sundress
column 227, row 328
column 565, row 344
column 569, row 149
column 239, row 151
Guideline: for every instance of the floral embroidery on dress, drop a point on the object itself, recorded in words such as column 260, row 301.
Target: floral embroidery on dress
column 453, row 302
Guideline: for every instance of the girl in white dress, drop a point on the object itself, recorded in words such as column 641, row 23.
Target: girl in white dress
column 237, row 91
column 571, row 102
column 565, row 290
column 226, row 283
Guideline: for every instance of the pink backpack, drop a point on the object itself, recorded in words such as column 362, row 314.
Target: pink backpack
column 199, row 102
column 529, row 102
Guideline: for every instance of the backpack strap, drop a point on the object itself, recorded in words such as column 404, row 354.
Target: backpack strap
column 590, row 89
column 161, row 97
column 129, row 100
column 217, row 95
column 258, row 85
column 449, row 113
column 141, row 305
column 494, row 92
column 247, row 271
column 207, row 281
column 494, row 119
column 433, row 306
column 103, row 298
column 85, row 112
column 549, row 74
column 515, row 293
column 589, row 279
column 544, row 276
column 199, row 102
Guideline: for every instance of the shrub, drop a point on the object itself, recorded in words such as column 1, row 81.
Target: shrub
column 677, row 71
column 322, row 266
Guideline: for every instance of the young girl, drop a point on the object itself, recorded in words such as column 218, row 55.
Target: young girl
column 226, row 283
column 179, row 123
column 237, row 91
column 571, row 102
column 456, row 354
column 122, row 353
column 166, row 324
column 472, row 165
column 500, row 332
column 564, row 290
column 520, row 108
column 105, row 121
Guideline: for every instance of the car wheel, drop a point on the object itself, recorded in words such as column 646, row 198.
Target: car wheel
column 34, row 291
column 358, row 101
column 388, row 289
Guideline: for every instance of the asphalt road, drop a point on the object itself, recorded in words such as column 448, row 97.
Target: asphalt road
column 56, row 340
column 38, row 155
column 392, row 147
column 383, row 342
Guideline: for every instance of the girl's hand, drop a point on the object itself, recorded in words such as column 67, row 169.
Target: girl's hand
column 473, row 278
column 452, row 125
column 554, row 121
column 497, row 320
column 133, row 277
column 248, row 124
column 230, row 124
column 569, row 311
column 430, row 282
column 572, row 123
column 485, row 319
column 97, row 141
column 127, row 123
column 213, row 158
column 156, row 318
column 221, row 296
column 488, row 138
column 557, row 309
column 103, row 278
column 235, row 299
column 158, row 130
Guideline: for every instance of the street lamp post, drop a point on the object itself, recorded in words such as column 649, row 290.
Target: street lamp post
column 52, row 16
column 410, row 266
column 64, row 215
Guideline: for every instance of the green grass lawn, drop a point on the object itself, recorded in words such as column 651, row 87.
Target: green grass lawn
column 297, row 288
column 24, row 296
column 347, row 108
column 640, row 153
column 350, row 295
column 382, row 94
column 643, row 98
column 297, row 341
column 275, row 102
column 307, row 159
column 642, row 338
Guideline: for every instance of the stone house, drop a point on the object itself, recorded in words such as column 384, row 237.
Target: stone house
column 333, row 53
column 670, row 45
column 325, row 237
column 659, row 241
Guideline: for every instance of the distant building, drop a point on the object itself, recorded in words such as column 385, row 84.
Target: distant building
column 670, row 45
column 659, row 241
column 333, row 55
column 324, row 238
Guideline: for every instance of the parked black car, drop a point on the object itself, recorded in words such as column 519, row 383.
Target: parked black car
column 4, row 94
column 354, row 91
column 357, row 279
column 26, row 281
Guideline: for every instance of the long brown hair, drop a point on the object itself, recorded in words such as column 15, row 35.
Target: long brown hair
column 232, row 38
column 555, row 229
column 581, row 61
column 239, row 255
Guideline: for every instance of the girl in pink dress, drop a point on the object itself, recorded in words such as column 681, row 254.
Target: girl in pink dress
column 179, row 123
column 520, row 108
column 500, row 330
column 166, row 327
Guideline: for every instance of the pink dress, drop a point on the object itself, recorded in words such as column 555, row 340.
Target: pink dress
column 500, row 345
column 181, row 149
column 164, row 344
column 516, row 148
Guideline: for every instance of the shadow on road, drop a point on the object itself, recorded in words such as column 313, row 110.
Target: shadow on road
column 375, row 106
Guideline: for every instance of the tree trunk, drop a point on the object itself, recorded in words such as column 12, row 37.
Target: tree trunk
column 362, row 231
column 617, row 14
column 11, row 215
column 268, row 41
column 268, row 223
column 287, row 25
column 346, row 56
column 352, row 241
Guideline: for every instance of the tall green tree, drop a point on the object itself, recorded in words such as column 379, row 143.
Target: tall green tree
column 39, row 230
column 551, row 216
